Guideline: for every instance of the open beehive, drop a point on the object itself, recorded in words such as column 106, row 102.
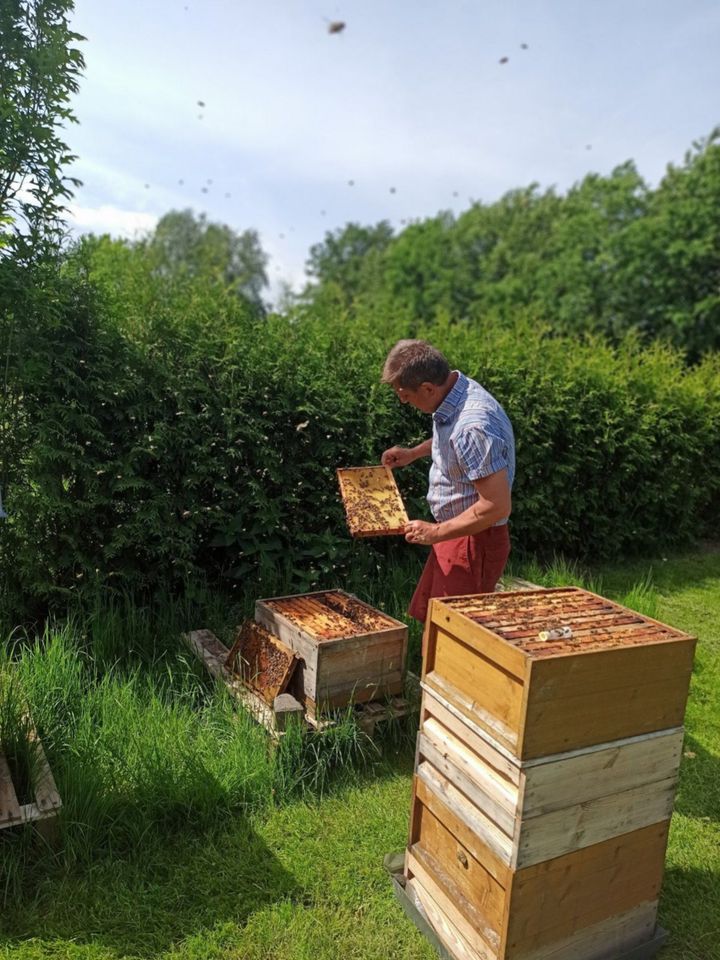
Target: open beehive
column 347, row 650
column 622, row 674
column 372, row 501
column 545, row 775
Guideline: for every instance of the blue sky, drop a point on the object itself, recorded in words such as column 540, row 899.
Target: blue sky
column 410, row 102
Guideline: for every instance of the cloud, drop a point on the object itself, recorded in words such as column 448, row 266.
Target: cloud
column 128, row 224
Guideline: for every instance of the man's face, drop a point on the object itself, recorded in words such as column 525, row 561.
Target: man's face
column 425, row 398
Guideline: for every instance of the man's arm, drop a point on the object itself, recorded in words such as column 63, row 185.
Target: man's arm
column 494, row 503
column 402, row 456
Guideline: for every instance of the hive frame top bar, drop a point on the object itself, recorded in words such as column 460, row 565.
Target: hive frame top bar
column 276, row 604
column 647, row 631
column 348, row 478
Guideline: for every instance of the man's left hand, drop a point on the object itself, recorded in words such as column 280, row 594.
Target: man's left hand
column 417, row 531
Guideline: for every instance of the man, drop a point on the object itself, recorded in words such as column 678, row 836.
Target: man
column 471, row 477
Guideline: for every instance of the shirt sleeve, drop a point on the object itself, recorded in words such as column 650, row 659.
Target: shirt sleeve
column 480, row 453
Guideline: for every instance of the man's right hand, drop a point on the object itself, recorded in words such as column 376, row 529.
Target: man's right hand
column 397, row 457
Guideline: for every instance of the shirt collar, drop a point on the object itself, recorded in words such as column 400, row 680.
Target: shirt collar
column 448, row 408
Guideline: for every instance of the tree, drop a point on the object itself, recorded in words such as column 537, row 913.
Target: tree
column 39, row 71
column 342, row 258
column 187, row 246
column 669, row 278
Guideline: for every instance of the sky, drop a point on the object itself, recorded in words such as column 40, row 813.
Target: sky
column 256, row 115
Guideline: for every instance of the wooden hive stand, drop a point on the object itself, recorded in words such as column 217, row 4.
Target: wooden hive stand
column 43, row 807
column 545, row 776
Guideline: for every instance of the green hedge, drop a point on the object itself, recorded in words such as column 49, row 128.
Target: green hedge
column 172, row 434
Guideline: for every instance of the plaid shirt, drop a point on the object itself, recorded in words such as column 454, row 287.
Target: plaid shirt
column 472, row 438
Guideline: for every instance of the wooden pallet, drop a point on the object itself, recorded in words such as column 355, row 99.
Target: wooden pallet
column 46, row 799
column 368, row 715
column 213, row 654
column 506, row 584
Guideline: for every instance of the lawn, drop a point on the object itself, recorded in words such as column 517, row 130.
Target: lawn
column 184, row 837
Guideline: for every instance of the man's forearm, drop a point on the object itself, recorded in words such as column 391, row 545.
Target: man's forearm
column 475, row 519
column 423, row 449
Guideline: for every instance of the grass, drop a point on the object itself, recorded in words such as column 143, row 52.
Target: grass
column 183, row 836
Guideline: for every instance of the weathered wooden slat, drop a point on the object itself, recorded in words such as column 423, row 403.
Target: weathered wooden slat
column 447, row 933
column 10, row 812
column 474, row 791
column 607, row 939
column 47, row 797
column 487, row 831
column 465, row 822
column 472, row 710
column 584, row 824
column 612, row 769
column 433, row 706
column 481, row 938
column 500, row 791
column 46, row 800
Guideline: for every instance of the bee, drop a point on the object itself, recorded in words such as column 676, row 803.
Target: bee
column 336, row 26
column 503, row 59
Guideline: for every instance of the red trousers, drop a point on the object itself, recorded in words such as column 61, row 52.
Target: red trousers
column 471, row 564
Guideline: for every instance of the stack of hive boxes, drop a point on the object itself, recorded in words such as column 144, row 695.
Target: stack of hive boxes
column 545, row 775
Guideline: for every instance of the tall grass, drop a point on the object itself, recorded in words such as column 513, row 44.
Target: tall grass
column 142, row 744
column 561, row 572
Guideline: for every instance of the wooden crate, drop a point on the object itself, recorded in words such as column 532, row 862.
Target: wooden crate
column 348, row 651
column 621, row 675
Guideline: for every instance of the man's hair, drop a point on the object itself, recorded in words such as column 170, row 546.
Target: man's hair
column 412, row 362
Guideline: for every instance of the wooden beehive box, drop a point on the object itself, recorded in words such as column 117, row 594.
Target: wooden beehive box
column 348, row 651
column 544, row 785
column 621, row 675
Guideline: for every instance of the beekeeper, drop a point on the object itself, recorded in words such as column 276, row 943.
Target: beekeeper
column 471, row 477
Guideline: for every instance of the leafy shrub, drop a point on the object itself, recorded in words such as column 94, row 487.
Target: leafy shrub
column 169, row 431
